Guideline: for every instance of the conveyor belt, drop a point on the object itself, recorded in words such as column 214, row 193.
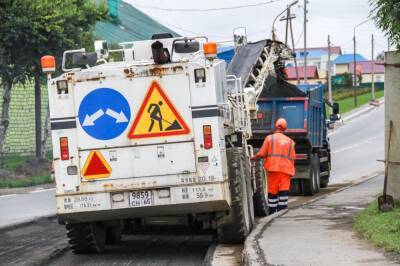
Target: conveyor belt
column 243, row 64
column 245, row 59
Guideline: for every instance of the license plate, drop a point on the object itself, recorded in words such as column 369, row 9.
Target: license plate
column 141, row 198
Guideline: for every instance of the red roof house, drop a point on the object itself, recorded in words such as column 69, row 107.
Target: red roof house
column 312, row 72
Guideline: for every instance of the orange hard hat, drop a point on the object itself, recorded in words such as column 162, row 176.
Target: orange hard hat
column 281, row 124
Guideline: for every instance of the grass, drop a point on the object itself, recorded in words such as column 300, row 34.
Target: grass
column 380, row 229
column 24, row 182
column 11, row 162
column 347, row 104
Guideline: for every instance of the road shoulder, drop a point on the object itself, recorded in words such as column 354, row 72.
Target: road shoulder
column 330, row 217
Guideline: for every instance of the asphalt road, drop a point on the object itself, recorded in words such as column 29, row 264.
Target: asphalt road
column 19, row 208
column 355, row 148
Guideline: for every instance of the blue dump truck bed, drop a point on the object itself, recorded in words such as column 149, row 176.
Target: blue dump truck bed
column 304, row 109
column 304, row 115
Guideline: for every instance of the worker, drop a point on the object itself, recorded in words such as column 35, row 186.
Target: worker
column 279, row 155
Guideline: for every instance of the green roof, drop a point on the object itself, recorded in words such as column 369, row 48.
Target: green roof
column 130, row 25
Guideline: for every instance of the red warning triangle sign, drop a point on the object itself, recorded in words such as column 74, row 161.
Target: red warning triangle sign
column 96, row 166
column 157, row 117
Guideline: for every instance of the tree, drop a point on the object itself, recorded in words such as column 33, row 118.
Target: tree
column 380, row 56
column 31, row 29
column 347, row 80
column 386, row 14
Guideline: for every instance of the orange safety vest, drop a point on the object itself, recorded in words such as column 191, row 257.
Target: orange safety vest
column 279, row 153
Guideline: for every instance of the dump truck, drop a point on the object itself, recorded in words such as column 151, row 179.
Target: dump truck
column 304, row 109
column 152, row 134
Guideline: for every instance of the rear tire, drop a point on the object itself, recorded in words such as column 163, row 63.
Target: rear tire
column 234, row 227
column 324, row 182
column 295, row 187
column 86, row 237
column 113, row 234
column 311, row 185
column 259, row 198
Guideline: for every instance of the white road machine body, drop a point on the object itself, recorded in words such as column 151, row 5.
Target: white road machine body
column 155, row 135
column 136, row 138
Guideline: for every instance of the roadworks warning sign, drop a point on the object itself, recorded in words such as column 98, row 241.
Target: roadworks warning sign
column 157, row 117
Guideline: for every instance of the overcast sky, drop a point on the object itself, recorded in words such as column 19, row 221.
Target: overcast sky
column 334, row 17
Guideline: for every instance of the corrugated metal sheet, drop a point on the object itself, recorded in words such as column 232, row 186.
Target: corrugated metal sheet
column 317, row 52
column 366, row 67
column 130, row 25
column 312, row 72
column 347, row 58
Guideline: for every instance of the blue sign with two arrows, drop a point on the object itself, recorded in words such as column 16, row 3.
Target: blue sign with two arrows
column 104, row 114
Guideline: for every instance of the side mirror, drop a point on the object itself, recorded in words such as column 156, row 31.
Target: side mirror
column 335, row 108
column 239, row 37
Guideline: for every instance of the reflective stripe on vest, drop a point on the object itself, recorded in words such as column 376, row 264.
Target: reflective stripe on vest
column 272, row 154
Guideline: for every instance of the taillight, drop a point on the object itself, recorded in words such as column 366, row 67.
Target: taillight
column 64, row 148
column 207, row 135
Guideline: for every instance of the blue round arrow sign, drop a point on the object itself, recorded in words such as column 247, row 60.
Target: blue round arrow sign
column 104, row 113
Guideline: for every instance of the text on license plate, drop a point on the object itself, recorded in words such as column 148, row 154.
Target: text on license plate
column 141, row 198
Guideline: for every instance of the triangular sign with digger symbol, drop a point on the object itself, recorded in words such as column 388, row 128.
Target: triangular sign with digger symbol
column 157, row 117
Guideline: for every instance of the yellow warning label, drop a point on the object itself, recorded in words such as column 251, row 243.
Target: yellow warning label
column 157, row 117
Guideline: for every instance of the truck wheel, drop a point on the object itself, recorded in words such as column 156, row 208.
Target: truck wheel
column 324, row 182
column 259, row 197
column 295, row 187
column 234, row 227
column 325, row 179
column 311, row 185
column 86, row 237
column 113, row 234
column 247, row 174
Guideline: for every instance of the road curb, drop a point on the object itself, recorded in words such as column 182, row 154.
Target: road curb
column 347, row 118
column 253, row 255
column 252, row 251
column 209, row 255
column 363, row 110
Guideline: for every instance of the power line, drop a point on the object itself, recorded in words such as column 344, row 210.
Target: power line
column 226, row 38
column 207, row 9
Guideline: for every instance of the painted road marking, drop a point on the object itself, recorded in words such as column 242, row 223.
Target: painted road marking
column 8, row 196
column 358, row 144
column 42, row 190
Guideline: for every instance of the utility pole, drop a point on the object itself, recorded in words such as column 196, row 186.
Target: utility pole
column 355, row 71
column 373, row 68
column 295, row 59
column 355, row 61
column 289, row 26
column 305, row 41
column 329, row 71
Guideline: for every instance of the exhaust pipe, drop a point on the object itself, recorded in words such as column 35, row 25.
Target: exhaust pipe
column 160, row 55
